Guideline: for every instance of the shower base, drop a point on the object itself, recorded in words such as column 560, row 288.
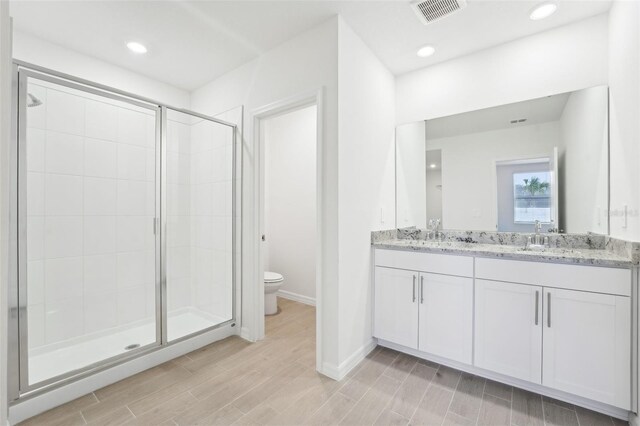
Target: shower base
column 47, row 363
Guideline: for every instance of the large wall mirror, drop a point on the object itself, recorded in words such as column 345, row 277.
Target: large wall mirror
column 506, row 167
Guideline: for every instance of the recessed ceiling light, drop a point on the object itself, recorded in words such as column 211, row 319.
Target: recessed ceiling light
column 542, row 11
column 425, row 51
column 433, row 166
column 136, row 47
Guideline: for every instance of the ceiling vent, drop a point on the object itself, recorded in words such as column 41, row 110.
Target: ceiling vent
column 432, row 10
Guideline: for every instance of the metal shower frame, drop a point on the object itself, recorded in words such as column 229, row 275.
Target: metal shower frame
column 18, row 383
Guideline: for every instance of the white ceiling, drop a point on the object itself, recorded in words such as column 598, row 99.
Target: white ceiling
column 535, row 111
column 191, row 43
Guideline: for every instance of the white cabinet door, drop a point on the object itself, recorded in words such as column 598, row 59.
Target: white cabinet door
column 396, row 306
column 586, row 341
column 446, row 321
column 508, row 329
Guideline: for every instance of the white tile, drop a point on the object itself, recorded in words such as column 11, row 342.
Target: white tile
column 132, row 232
column 178, row 231
column 202, row 168
column 132, row 162
column 178, row 293
column 65, row 112
column 178, row 168
column 132, row 127
column 100, row 273
column 35, row 149
column 63, row 236
column 63, row 278
column 35, row 194
column 100, row 312
column 35, row 237
column 100, row 196
column 132, row 197
column 100, row 158
column 35, row 318
column 63, row 320
column 178, row 262
column 204, row 198
column 35, row 282
column 179, row 199
column 64, row 153
column 63, row 195
column 37, row 116
column 150, row 201
column 101, row 120
column 150, row 126
column 132, row 305
column 131, row 269
column 151, row 164
column 219, row 165
column 99, row 235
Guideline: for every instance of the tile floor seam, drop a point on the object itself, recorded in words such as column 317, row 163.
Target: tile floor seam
column 452, row 397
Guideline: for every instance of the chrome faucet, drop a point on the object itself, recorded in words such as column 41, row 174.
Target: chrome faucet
column 537, row 241
column 434, row 230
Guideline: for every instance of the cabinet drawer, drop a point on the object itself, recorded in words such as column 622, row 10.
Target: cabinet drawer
column 425, row 262
column 572, row 277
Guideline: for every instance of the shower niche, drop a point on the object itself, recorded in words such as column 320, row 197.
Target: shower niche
column 124, row 228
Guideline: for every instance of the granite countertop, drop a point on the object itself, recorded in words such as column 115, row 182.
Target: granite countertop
column 577, row 256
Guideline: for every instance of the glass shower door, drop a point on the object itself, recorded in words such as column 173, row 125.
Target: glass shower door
column 88, row 191
column 199, row 222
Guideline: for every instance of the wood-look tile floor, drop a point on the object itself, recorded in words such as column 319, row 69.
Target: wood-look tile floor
column 274, row 382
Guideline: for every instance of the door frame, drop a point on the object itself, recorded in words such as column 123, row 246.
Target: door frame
column 259, row 115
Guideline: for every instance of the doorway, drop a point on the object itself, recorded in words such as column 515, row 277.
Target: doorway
column 288, row 136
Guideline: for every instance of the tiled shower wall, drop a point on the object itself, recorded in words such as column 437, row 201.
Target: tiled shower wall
column 91, row 202
column 199, row 222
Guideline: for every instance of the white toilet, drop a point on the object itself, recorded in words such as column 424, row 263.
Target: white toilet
column 272, row 282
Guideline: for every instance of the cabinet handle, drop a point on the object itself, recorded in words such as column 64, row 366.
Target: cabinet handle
column 537, row 304
column 414, row 288
column 549, row 310
column 421, row 289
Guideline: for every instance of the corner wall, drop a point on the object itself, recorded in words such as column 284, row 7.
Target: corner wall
column 624, row 114
column 366, row 176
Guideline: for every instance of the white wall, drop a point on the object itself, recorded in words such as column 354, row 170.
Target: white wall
column 469, row 170
column 290, row 201
column 564, row 59
column 624, row 85
column 43, row 53
column 5, row 119
column 584, row 165
column 366, row 180
column 301, row 65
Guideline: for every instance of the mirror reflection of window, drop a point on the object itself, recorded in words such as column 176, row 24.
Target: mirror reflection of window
column 532, row 197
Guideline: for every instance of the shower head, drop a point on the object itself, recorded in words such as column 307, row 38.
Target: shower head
column 32, row 101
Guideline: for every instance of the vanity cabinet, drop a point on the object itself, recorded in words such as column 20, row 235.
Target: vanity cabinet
column 423, row 310
column 558, row 327
column 396, row 307
column 445, row 316
column 508, row 329
column 586, row 341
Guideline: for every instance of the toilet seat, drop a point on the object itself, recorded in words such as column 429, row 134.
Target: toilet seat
column 272, row 277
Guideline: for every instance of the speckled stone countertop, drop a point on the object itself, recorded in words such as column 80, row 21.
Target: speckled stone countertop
column 578, row 249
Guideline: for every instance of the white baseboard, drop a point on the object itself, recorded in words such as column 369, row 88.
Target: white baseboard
column 297, row 297
column 340, row 372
